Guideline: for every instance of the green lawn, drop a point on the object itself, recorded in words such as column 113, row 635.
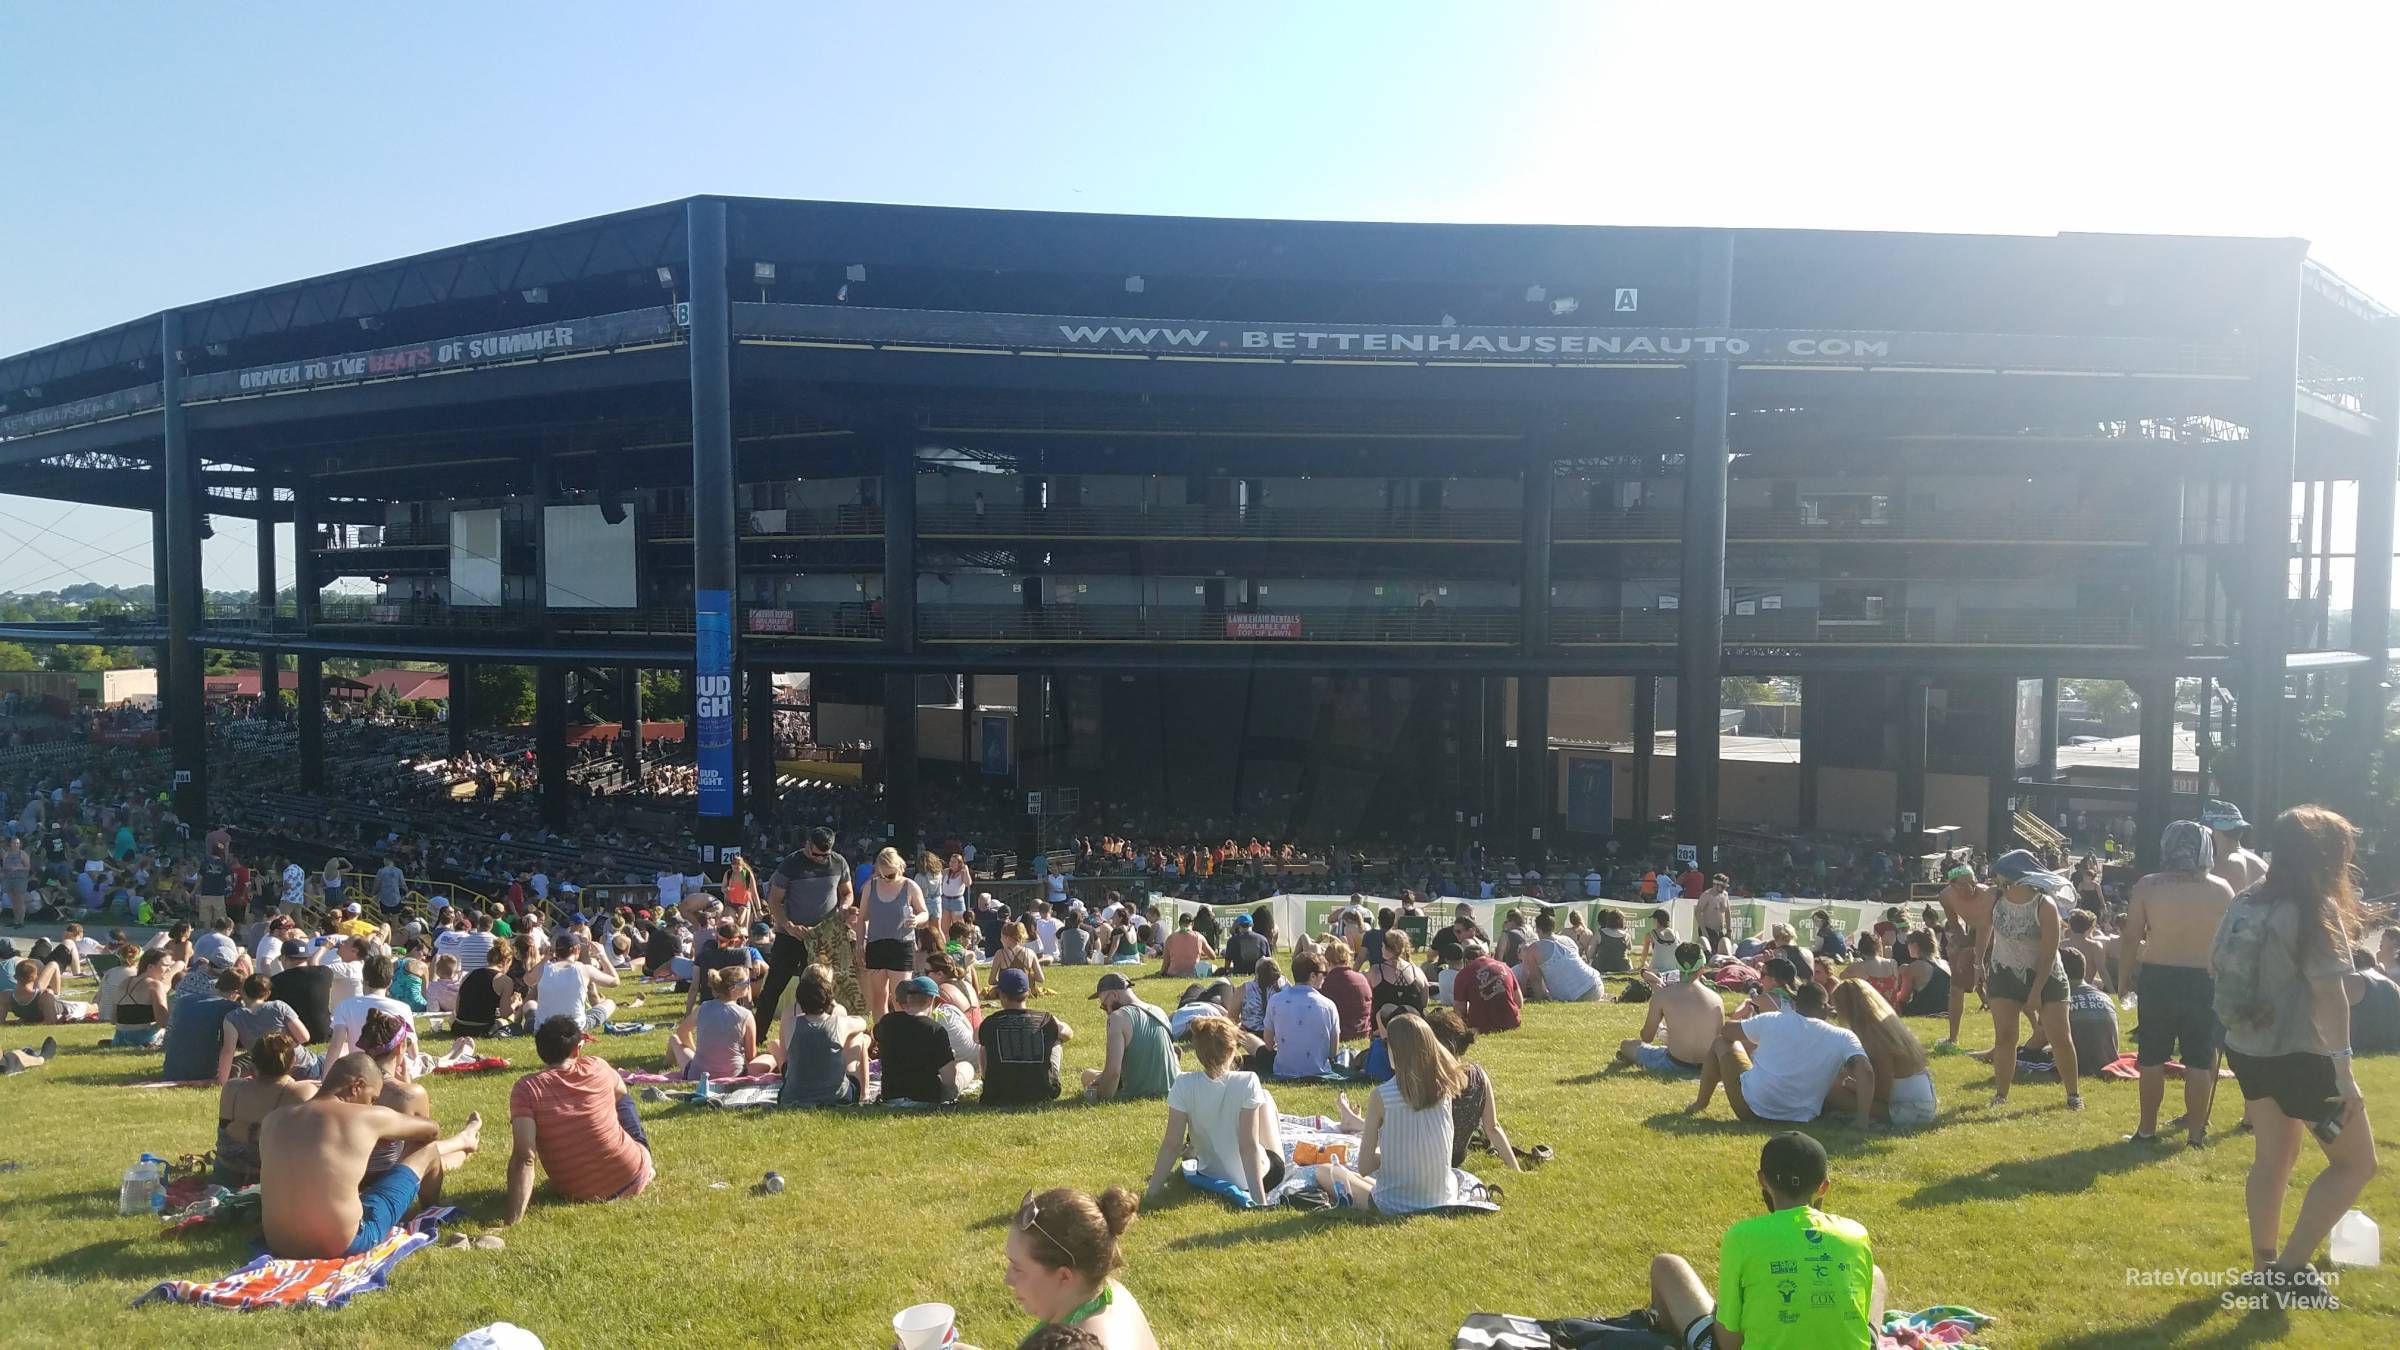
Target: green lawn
column 2032, row 1214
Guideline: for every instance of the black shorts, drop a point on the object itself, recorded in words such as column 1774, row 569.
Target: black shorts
column 2179, row 1011
column 458, row 1028
column 2300, row 1085
column 890, row 954
column 2001, row 983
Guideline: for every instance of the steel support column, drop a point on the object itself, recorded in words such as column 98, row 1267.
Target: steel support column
column 2267, row 542
column 1812, row 744
column 1700, row 616
column 2371, row 588
column 462, row 705
column 714, row 564
column 1908, row 816
column 900, row 634
column 966, row 721
column 758, row 738
column 187, row 725
column 1645, row 753
column 309, row 666
column 1999, row 819
column 629, row 720
column 550, row 742
column 2047, row 732
column 161, row 569
column 270, row 665
column 1493, row 716
column 1033, row 755
column 1534, row 781
column 2154, row 777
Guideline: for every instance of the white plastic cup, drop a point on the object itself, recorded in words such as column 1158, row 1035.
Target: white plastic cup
column 925, row 1326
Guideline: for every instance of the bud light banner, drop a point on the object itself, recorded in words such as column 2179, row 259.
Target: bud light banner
column 712, row 697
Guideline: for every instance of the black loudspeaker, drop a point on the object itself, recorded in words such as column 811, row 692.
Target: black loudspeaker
column 612, row 499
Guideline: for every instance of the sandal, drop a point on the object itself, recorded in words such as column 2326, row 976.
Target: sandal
column 1541, row 1153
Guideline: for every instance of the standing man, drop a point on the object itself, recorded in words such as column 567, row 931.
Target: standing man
column 16, row 872
column 295, row 888
column 216, row 882
column 390, row 882
column 2238, row 867
column 2170, row 928
column 810, row 900
column 1712, row 914
column 1968, row 907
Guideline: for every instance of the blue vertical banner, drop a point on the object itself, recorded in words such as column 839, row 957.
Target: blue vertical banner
column 712, row 700
column 1591, row 792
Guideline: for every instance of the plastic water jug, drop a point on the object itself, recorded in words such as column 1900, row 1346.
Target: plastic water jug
column 143, row 1190
column 2357, row 1241
column 703, row 1092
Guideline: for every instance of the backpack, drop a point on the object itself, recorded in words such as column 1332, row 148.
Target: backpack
column 2240, row 947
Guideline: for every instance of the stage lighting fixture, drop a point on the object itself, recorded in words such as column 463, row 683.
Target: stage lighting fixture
column 1534, row 295
column 855, row 272
column 1565, row 304
column 369, row 323
column 536, row 295
column 1134, row 285
column 763, row 273
column 666, row 278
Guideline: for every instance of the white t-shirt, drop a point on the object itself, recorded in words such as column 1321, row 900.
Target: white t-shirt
column 1798, row 1061
column 1045, row 937
column 1215, row 1108
column 350, row 1014
column 561, row 991
column 1564, row 973
column 349, row 979
column 670, row 887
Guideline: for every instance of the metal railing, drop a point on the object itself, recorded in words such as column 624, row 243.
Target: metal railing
column 843, row 522
column 1810, row 627
column 1149, row 623
column 1758, row 525
column 338, row 538
column 1155, row 521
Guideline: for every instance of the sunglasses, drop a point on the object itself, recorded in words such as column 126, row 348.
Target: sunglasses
column 1029, row 1219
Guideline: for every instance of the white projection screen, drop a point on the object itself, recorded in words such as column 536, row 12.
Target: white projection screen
column 590, row 561
column 475, row 557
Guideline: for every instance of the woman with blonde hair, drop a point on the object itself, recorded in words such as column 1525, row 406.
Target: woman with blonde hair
column 951, row 888
column 1405, row 1140
column 1062, row 1259
column 2284, row 975
column 718, row 1038
column 1395, row 979
column 894, row 908
column 1903, row 1083
column 1228, row 1116
column 1017, row 954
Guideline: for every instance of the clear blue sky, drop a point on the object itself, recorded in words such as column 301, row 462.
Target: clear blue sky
column 162, row 154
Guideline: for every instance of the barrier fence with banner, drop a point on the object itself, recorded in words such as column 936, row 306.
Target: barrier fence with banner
column 1314, row 913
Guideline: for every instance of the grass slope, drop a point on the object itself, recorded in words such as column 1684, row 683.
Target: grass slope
column 2030, row 1213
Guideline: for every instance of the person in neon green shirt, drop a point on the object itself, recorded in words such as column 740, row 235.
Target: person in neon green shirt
column 1793, row 1278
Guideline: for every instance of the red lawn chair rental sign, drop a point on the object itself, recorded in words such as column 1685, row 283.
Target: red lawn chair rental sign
column 1262, row 625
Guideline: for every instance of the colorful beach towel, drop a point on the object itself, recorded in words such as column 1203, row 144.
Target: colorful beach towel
column 737, row 1081
column 1945, row 1327
column 479, row 1064
column 2123, row 1066
column 328, row 1283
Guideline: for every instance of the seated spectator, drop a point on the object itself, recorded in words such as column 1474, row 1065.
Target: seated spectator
column 1406, row 1134
column 487, row 998
column 1800, row 1059
column 1659, row 944
column 408, row 979
column 2082, row 936
column 1245, row 946
column 1017, row 954
column 1462, row 930
column 1185, row 951
column 1925, row 978
column 441, row 992
column 1226, row 1115
column 1550, row 968
column 1829, row 942
column 307, row 989
column 718, row 1038
column 194, row 1031
column 821, row 1048
column 375, row 977
column 1213, row 998
column 568, row 985
column 728, row 947
column 1610, row 945
column 1303, row 1027
column 35, row 998
column 244, row 1102
column 1140, row 1060
column 920, row 1063
column 577, row 1119
column 260, row 1016
column 1687, row 1012
column 1395, row 979
column 1486, row 993
column 2091, row 1014
column 1020, row 1046
column 1445, row 980
column 1874, row 967
column 1763, row 1261
column 1062, row 1251
column 2374, row 1007
column 1266, row 978
column 1903, row 1090
column 315, row 1155
column 1350, row 992
column 1075, row 940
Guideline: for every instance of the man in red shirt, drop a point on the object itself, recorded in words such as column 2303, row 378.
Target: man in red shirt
column 1485, row 991
column 577, row 1118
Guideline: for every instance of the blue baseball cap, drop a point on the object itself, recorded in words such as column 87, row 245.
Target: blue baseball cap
column 1013, row 983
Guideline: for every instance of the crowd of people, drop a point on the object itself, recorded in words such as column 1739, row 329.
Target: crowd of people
column 303, row 991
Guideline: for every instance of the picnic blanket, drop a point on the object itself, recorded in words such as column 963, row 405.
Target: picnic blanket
column 479, row 1064
column 1315, row 1133
column 628, row 1028
column 328, row 1283
column 173, row 1083
column 2123, row 1066
column 1942, row 1328
column 739, row 1081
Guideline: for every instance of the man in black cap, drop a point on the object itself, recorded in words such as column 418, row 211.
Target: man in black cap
column 1793, row 1278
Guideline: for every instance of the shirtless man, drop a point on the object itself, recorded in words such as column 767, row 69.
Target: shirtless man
column 1712, row 915
column 1689, row 1011
column 2170, row 928
column 314, row 1155
column 1970, row 906
column 2238, row 867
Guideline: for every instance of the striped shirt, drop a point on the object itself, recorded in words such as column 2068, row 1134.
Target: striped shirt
column 582, row 1145
column 1413, row 1171
column 473, row 950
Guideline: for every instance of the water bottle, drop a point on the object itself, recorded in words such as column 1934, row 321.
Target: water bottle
column 702, row 1093
column 142, row 1189
column 2357, row 1241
